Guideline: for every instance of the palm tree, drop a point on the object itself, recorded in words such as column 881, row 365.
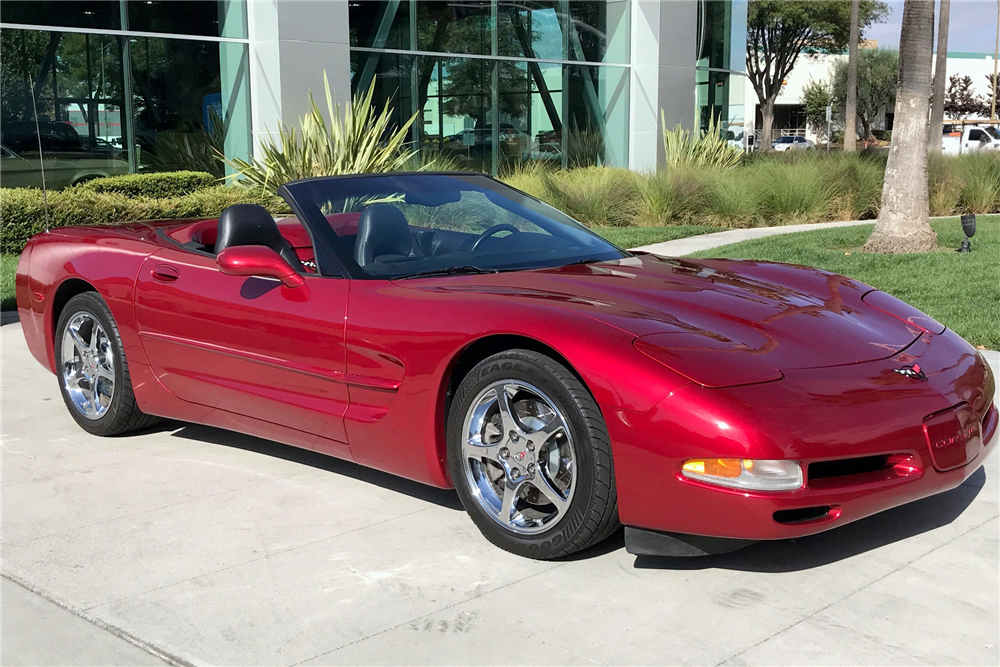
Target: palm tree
column 940, row 74
column 903, row 224
column 851, row 113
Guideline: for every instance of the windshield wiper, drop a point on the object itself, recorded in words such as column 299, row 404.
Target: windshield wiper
column 588, row 260
column 449, row 271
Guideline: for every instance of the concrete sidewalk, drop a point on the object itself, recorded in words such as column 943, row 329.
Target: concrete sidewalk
column 686, row 246
column 191, row 545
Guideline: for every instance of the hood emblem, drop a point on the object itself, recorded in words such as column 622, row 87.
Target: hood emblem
column 914, row 371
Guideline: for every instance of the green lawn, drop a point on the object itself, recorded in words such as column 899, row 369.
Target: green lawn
column 8, row 266
column 633, row 237
column 960, row 290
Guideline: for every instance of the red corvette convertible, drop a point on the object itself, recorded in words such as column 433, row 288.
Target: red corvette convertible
column 454, row 331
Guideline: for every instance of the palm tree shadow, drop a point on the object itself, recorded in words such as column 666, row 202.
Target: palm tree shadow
column 855, row 538
column 442, row 497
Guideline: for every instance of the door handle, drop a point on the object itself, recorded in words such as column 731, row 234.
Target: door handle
column 164, row 273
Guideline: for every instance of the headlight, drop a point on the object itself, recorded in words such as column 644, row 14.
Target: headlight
column 747, row 474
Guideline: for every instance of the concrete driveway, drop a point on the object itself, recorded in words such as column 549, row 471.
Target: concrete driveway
column 194, row 545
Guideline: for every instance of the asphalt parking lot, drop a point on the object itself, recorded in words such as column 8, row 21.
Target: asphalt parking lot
column 192, row 545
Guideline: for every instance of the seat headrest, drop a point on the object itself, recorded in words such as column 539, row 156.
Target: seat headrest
column 252, row 224
column 383, row 235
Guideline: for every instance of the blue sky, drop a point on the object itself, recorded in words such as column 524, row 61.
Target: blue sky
column 973, row 26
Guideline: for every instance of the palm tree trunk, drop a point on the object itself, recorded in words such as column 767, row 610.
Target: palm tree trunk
column 940, row 75
column 903, row 224
column 851, row 112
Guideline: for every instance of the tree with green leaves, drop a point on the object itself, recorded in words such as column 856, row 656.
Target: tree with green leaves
column 878, row 70
column 961, row 101
column 816, row 97
column 779, row 31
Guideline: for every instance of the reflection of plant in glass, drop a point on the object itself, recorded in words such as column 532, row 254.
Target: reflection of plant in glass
column 354, row 141
column 195, row 150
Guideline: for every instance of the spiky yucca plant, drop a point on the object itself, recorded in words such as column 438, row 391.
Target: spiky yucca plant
column 356, row 140
column 683, row 148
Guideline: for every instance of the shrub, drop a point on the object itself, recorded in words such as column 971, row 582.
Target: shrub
column 684, row 148
column 980, row 173
column 593, row 195
column 732, row 202
column 353, row 141
column 165, row 184
column 23, row 213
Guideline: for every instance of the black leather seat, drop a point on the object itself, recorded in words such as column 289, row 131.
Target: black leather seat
column 384, row 236
column 251, row 224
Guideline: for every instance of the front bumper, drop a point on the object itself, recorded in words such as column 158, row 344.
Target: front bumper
column 852, row 413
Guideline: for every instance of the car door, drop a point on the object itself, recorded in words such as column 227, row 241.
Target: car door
column 246, row 345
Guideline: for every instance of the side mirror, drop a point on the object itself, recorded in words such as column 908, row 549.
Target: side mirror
column 257, row 260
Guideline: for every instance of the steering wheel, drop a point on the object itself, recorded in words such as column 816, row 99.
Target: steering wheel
column 495, row 229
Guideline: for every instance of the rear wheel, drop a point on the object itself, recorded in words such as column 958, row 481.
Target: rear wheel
column 530, row 457
column 93, row 371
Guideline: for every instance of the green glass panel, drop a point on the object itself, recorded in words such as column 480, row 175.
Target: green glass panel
column 189, row 99
column 68, row 13
column 213, row 18
column 74, row 81
column 383, row 25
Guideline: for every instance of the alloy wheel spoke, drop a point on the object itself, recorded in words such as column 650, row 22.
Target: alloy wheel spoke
column 508, row 416
column 106, row 373
column 476, row 449
column 510, row 494
column 551, row 429
column 552, row 494
column 78, row 342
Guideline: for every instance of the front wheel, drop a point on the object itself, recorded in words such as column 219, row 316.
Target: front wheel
column 530, row 456
column 92, row 369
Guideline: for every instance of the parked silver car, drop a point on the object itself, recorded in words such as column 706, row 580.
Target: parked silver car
column 61, row 169
column 793, row 144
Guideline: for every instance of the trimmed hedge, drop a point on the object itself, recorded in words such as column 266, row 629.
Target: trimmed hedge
column 163, row 184
column 22, row 210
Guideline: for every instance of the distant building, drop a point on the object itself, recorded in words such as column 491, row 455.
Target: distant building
column 789, row 115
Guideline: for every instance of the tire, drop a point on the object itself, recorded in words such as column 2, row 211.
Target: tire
column 561, row 507
column 95, row 369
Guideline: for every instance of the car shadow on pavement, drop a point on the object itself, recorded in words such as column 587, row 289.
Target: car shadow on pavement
column 837, row 544
column 442, row 497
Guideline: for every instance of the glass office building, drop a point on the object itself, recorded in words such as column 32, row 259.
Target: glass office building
column 162, row 84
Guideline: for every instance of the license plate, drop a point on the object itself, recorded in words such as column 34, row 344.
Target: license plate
column 954, row 437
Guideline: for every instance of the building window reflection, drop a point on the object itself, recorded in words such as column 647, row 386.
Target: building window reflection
column 720, row 78
column 501, row 82
column 119, row 101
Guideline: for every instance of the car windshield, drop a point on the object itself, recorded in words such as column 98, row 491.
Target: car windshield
column 785, row 140
column 992, row 131
column 406, row 225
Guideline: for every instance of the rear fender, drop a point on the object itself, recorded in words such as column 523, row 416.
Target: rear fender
column 55, row 262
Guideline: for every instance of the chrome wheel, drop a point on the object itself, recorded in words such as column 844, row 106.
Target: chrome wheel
column 519, row 457
column 88, row 365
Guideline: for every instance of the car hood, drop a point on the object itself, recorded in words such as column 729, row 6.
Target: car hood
column 787, row 316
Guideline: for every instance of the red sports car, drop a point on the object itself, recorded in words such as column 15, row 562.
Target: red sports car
column 452, row 330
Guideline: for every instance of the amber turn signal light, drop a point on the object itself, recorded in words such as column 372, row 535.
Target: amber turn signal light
column 748, row 474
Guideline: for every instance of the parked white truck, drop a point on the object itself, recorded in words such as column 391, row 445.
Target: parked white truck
column 959, row 139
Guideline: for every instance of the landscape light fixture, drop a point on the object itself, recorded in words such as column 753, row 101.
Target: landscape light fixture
column 969, row 227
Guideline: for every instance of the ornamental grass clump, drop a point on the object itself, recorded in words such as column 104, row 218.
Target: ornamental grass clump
column 686, row 148
column 355, row 140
